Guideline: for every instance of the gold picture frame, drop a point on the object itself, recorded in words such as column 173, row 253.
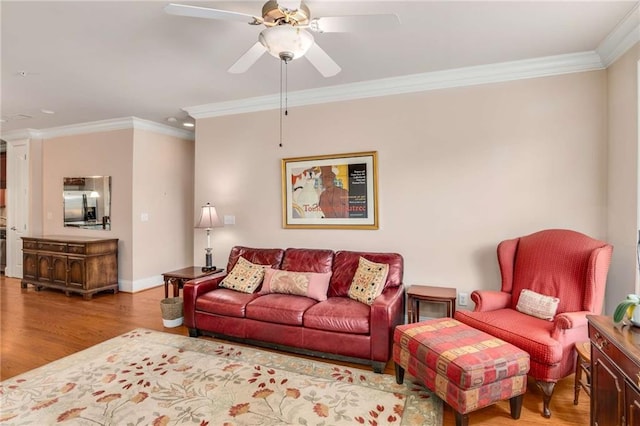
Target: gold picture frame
column 337, row 191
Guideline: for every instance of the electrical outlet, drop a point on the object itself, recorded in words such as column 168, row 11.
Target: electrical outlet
column 463, row 299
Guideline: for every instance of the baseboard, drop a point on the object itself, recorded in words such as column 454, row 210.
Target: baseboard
column 128, row 286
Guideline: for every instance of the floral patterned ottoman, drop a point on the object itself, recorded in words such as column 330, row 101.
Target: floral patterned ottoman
column 465, row 367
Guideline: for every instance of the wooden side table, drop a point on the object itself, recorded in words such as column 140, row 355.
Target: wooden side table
column 178, row 277
column 425, row 293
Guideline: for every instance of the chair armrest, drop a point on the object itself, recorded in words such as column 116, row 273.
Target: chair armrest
column 490, row 300
column 192, row 290
column 567, row 320
column 570, row 324
column 387, row 311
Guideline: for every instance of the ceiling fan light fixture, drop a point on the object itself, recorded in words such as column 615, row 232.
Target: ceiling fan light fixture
column 286, row 42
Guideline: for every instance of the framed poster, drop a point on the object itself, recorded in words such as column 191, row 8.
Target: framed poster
column 330, row 191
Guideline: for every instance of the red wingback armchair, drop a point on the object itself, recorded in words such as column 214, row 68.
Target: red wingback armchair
column 559, row 263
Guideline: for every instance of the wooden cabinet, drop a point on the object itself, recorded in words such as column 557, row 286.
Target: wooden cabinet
column 615, row 373
column 72, row 264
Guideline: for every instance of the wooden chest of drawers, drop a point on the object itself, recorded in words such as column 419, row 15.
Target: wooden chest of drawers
column 615, row 372
column 71, row 264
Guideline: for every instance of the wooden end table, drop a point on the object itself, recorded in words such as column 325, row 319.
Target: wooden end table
column 178, row 277
column 425, row 293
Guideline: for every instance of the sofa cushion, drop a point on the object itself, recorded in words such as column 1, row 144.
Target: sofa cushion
column 245, row 276
column 307, row 260
column 225, row 302
column 345, row 264
column 368, row 281
column 309, row 284
column 339, row 314
column 279, row 308
column 259, row 256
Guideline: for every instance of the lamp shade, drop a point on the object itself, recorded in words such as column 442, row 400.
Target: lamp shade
column 286, row 41
column 208, row 217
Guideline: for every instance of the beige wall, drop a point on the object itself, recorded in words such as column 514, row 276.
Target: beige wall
column 459, row 170
column 150, row 172
column 623, row 187
column 93, row 154
column 163, row 189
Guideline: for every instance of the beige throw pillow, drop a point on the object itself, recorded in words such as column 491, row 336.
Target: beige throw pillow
column 245, row 276
column 368, row 281
column 537, row 305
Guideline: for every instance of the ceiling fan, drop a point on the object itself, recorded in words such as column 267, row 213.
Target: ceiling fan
column 286, row 35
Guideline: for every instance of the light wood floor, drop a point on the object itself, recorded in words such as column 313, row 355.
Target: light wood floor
column 39, row 327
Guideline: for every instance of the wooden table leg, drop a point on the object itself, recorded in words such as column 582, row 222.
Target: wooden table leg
column 176, row 287
column 166, row 288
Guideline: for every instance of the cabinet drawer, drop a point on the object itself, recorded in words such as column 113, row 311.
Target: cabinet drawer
column 55, row 247
column 77, row 248
column 29, row 245
column 628, row 367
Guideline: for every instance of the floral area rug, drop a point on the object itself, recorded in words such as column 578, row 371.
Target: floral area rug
column 151, row 378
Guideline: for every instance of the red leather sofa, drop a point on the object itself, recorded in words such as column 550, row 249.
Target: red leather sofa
column 339, row 328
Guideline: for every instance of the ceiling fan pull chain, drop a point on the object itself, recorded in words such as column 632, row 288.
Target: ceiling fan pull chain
column 280, row 145
column 286, row 87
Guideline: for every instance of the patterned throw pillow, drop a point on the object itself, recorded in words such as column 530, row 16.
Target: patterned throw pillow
column 368, row 281
column 245, row 276
column 537, row 305
column 309, row 284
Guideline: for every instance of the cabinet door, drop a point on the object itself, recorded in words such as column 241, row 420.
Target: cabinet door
column 45, row 268
column 59, row 270
column 632, row 398
column 607, row 391
column 76, row 272
column 29, row 266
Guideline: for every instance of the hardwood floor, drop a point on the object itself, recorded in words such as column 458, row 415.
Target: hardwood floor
column 39, row 327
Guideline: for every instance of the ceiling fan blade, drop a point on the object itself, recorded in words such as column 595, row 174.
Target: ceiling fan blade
column 208, row 13
column 353, row 23
column 249, row 58
column 289, row 4
column 323, row 62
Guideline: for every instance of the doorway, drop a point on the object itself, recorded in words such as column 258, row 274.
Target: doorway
column 17, row 204
column 3, row 206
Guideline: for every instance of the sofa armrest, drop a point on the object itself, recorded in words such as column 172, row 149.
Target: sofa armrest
column 195, row 288
column 387, row 311
column 490, row 300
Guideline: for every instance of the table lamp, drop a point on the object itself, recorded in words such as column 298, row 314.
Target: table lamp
column 208, row 219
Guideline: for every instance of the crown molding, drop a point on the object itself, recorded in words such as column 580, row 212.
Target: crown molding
column 152, row 126
column 468, row 76
column 16, row 135
column 623, row 36
column 99, row 126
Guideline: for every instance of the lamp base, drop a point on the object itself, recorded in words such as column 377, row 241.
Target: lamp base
column 209, row 262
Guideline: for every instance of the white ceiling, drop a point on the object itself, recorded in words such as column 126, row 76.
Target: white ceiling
column 93, row 60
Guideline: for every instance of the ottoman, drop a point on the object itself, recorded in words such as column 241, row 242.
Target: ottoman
column 465, row 367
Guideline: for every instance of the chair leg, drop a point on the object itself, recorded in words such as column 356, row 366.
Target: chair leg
column 547, row 390
column 399, row 373
column 578, row 378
